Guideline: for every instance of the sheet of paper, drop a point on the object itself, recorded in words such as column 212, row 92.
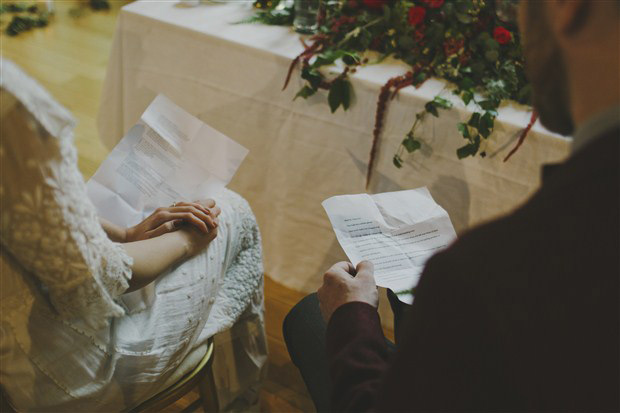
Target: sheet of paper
column 169, row 156
column 397, row 231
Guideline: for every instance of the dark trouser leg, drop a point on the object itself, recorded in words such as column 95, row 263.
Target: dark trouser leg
column 304, row 334
column 398, row 308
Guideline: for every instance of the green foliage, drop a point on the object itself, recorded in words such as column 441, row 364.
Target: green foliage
column 305, row 92
column 340, row 94
column 455, row 42
column 411, row 144
column 272, row 17
column 25, row 17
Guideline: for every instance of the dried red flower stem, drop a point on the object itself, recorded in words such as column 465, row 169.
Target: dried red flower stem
column 388, row 91
column 524, row 133
column 307, row 53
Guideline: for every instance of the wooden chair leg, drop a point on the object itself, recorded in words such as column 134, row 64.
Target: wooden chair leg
column 208, row 392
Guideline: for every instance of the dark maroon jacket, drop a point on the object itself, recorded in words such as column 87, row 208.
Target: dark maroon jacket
column 519, row 314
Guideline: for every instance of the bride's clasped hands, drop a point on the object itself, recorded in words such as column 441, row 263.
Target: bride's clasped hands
column 169, row 236
column 202, row 215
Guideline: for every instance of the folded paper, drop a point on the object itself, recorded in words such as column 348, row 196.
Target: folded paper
column 168, row 156
column 397, row 231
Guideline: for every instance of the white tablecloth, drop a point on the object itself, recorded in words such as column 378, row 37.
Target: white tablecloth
column 231, row 77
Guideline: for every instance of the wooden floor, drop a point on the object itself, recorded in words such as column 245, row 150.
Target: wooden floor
column 69, row 58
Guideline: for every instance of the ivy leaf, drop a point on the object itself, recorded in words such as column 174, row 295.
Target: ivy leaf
column 328, row 58
column 468, row 150
column 420, row 78
column 491, row 44
column 313, row 77
column 466, row 83
column 351, row 58
column 467, row 96
column 462, row 127
column 431, row 108
column 348, row 93
column 406, row 42
column 486, row 124
column 474, row 121
column 398, row 162
column 435, row 34
column 465, row 151
column 484, row 130
column 489, row 104
column 305, row 92
column 442, row 103
column 491, row 55
column 411, row 144
column 339, row 94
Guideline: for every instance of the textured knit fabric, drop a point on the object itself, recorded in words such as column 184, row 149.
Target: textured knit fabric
column 70, row 339
column 518, row 315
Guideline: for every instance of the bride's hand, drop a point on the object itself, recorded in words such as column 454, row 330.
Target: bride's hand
column 200, row 214
column 196, row 240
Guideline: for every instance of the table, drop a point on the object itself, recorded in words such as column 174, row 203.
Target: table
column 231, row 76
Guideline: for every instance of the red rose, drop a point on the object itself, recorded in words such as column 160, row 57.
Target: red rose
column 416, row 15
column 501, row 35
column 374, row 4
column 433, row 4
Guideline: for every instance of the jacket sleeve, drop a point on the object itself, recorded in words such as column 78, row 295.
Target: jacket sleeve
column 358, row 355
column 445, row 356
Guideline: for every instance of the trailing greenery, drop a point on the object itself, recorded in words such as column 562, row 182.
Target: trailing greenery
column 469, row 43
column 25, row 17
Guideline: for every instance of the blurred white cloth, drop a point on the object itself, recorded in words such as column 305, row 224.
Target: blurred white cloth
column 231, row 76
column 70, row 340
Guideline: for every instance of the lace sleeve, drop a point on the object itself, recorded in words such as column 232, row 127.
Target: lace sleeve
column 47, row 222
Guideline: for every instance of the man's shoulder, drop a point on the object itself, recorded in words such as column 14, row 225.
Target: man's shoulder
column 573, row 217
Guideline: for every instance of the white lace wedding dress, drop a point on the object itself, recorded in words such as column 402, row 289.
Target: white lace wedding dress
column 70, row 339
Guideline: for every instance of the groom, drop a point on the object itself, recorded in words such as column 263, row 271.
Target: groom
column 521, row 313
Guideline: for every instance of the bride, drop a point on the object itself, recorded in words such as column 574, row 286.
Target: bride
column 99, row 318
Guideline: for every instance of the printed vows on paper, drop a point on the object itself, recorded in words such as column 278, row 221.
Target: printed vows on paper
column 397, row 231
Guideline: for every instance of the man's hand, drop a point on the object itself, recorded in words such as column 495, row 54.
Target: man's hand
column 343, row 283
column 199, row 214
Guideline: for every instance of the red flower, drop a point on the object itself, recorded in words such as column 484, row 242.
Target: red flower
column 501, row 35
column 433, row 4
column 416, row 15
column 374, row 4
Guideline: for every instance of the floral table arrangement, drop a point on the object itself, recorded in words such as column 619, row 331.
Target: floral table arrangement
column 469, row 43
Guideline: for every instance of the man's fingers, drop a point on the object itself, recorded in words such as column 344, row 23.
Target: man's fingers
column 342, row 267
column 365, row 268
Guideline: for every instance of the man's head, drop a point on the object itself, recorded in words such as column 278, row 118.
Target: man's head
column 571, row 50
